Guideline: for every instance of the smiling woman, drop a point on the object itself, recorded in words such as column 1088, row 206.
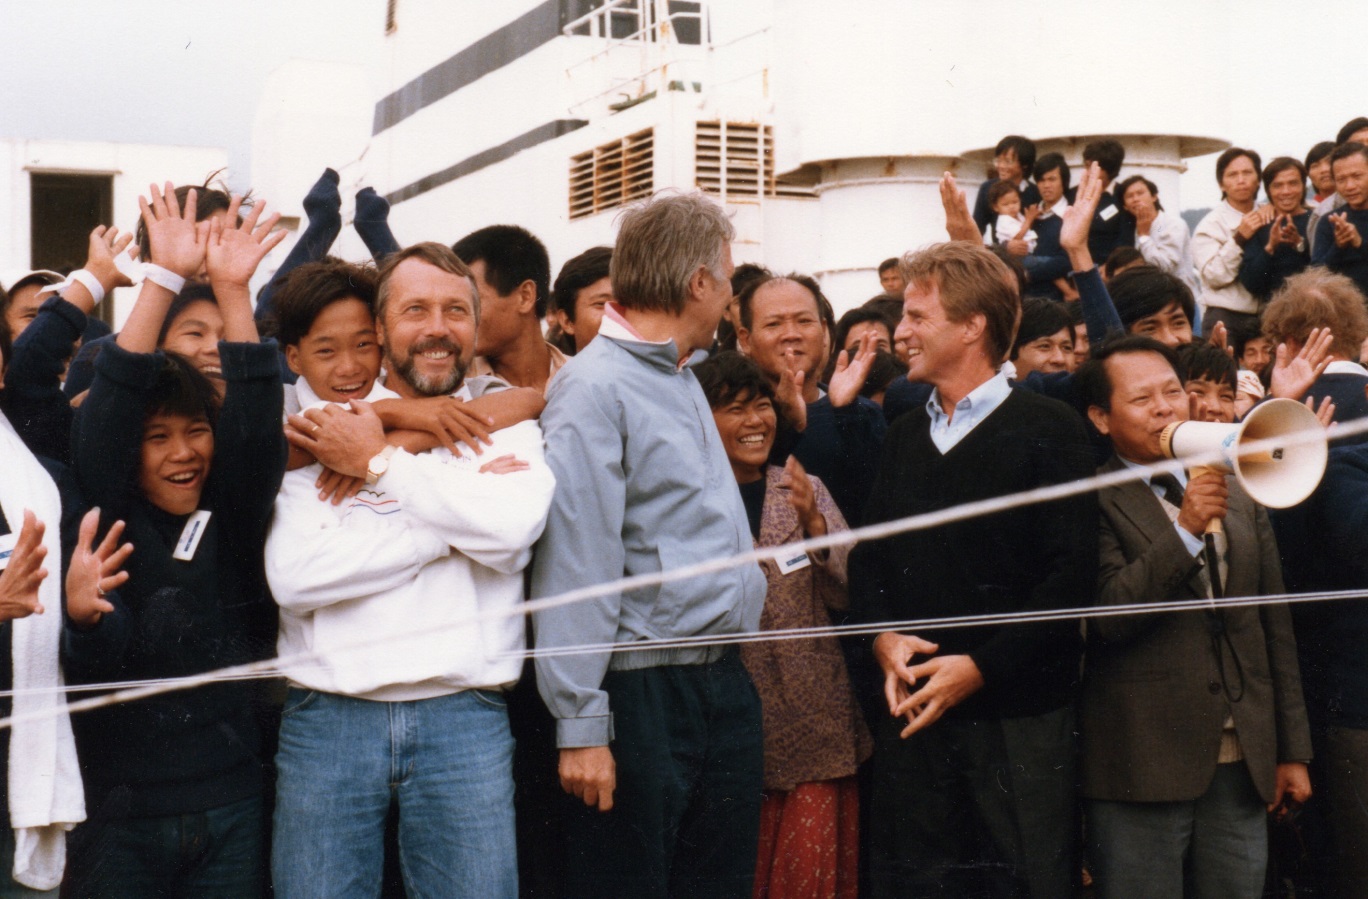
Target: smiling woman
column 815, row 735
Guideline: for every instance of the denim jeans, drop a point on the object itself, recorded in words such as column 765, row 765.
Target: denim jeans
column 1221, row 838
column 447, row 762
column 214, row 854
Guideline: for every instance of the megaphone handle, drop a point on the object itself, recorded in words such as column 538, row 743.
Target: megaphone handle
column 1213, row 526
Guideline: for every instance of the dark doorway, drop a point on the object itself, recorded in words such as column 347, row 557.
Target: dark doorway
column 64, row 209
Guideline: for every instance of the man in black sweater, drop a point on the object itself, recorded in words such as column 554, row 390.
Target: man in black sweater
column 974, row 770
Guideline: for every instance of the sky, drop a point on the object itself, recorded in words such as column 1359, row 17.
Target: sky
column 163, row 71
column 188, row 72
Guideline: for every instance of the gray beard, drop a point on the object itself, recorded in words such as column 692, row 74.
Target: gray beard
column 437, row 385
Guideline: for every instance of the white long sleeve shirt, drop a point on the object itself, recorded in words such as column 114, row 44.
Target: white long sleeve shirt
column 1216, row 256
column 410, row 590
column 1166, row 248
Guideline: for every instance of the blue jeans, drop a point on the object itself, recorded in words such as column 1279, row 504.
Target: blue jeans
column 448, row 763
column 1220, row 838
column 216, row 854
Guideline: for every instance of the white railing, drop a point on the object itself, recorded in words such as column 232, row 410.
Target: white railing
column 622, row 70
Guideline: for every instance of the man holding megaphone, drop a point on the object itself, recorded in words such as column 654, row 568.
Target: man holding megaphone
column 1193, row 722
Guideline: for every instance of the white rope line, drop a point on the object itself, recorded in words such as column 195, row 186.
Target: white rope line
column 273, row 667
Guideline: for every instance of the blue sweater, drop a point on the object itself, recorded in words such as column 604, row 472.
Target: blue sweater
column 1350, row 261
column 191, row 750
column 1262, row 274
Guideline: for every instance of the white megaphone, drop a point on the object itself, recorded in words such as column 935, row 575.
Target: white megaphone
column 1279, row 476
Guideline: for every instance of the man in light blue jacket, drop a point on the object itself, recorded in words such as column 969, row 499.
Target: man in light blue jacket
column 661, row 746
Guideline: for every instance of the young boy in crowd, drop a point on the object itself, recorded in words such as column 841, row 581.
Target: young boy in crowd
column 1209, row 377
column 325, row 321
column 175, row 783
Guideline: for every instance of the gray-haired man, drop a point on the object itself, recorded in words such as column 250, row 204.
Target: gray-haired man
column 663, row 746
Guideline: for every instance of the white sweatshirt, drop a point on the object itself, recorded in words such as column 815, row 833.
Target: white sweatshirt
column 379, row 596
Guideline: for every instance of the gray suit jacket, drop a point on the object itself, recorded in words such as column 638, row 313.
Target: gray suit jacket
column 1153, row 695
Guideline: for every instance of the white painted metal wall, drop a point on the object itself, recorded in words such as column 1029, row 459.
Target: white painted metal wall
column 132, row 166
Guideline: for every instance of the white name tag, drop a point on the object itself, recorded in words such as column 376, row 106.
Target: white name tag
column 190, row 537
column 7, row 544
column 796, row 562
column 1106, row 214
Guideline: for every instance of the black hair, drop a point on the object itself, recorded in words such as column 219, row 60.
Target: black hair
column 1280, row 165
column 1358, row 123
column 890, row 262
column 210, row 197
column 192, row 293
column 313, row 287
column 1204, row 362
column 1040, row 317
column 1344, row 151
column 1318, row 152
column 1144, row 291
column 1023, row 147
column 745, row 273
column 577, row 274
column 1241, row 334
column 885, row 369
column 890, row 307
column 1013, row 263
column 1094, row 384
column 1119, row 258
column 858, row 316
column 1048, row 163
column 1108, row 153
column 1001, row 189
column 1138, row 179
column 730, row 376
column 511, row 255
column 180, row 389
column 1225, row 159
column 746, row 298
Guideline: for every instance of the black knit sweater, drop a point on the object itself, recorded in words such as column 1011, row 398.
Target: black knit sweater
column 1041, row 556
column 190, row 750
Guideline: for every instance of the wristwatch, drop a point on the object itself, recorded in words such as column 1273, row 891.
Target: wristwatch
column 379, row 464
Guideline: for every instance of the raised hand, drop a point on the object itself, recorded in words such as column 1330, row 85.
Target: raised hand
column 1325, row 414
column 1293, row 375
column 235, row 250
column 1144, row 219
column 1253, row 221
column 1346, row 234
column 95, row 571
column 1283, row 231
column 959, row 221
column 178, row 242
column 105, row 245
column 1073, row 233
column 21, row 578
column 788, row 396
column 851, row 373
column 803, row 498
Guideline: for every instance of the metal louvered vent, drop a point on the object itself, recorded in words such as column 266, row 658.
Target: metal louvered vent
column 613, row 174
column 735, row 160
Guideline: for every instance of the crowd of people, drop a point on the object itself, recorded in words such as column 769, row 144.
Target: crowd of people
column 395, row 479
